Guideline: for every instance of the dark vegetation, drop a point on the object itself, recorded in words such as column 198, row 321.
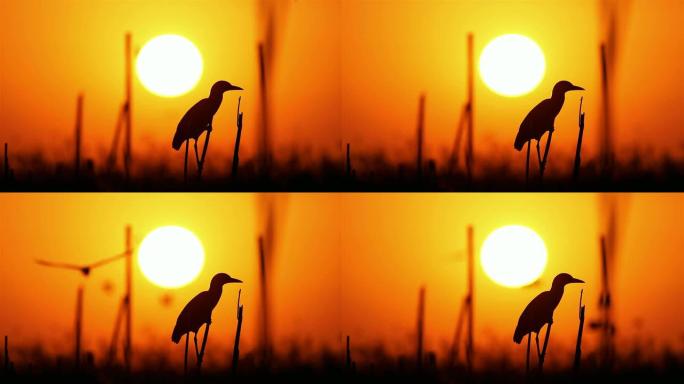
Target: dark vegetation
column 298, row 171
column 371, row 363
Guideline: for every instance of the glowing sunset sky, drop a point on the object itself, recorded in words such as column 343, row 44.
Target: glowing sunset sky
column 344, row 264
column 346, row 71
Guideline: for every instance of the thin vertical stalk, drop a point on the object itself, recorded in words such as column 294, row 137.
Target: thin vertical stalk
column 77, row 136
column 236, row 344
column 580, row 329
column 578, row 150
column 420, row 328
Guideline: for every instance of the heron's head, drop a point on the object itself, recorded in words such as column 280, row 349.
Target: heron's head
column 564, row 86
column 220, row 279
column 564, row 278
column 223, row 86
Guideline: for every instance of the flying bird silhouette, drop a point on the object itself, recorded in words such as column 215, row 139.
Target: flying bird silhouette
column 539, row 311
column 84, row 269
column 198, row 312
column 541, row 118
column 199, row 118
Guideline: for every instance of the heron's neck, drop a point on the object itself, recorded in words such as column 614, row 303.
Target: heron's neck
column 216, row 97
column 558, row 97
column 216, row 290
column 557, row 291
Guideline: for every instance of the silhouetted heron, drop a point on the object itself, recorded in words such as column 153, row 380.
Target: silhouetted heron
column 540, row 312
column 198, row 312
column 199, row 119
column 541, row 119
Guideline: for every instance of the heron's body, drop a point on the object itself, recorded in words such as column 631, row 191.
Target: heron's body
column 539, row 311
column 200, row 116
column 542, row 117
column 198, row 311
column 197, row 120
column 539, row 121
column 195, row 314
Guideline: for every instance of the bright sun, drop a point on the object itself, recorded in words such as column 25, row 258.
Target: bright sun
column 171, row 256
column 512, row 65
column 169, row 65
column 513, row 256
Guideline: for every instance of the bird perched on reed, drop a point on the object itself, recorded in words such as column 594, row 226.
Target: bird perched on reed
column 539, row 312
column 198, row 312
column 198, row 119
column 541, row 119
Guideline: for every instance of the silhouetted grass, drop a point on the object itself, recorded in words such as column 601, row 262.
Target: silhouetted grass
column 298, row 170
column 372, row 363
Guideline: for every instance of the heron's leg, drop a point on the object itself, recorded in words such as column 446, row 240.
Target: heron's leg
column 539, row 154
column 536, row 336
column 196, row 349
column 204, row 150
column 197, row 154
column 185, row 361
column 204, row 345
column 185, row 164
column 527, row 365
column 527, row 164
column 546, row 343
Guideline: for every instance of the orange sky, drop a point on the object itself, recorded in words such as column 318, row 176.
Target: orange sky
column 346, row 71
column 345, row 264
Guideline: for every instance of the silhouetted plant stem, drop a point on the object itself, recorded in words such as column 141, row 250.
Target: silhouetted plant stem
column 348, row 355
column 236, row 149
column 420, row 328
column 455, row 345
column 77, row 136
column 78, row 327
column 6, row 164
column 7, row 354
column 453, row 158
column 578, row 345
column 470, row 348
column 469, row 158
column 419, row 137
column 543, row 352
column 578, row 150
column 263, row 282
column 264, row 138
column 542, row 166
column 348, row 163
column 128, row 300
column 128, row 156
column 236, row 344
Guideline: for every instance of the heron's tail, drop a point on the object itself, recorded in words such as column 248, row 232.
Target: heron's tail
column 177, row 140
column 519, row 142
column 176, row 336
column 517, row 337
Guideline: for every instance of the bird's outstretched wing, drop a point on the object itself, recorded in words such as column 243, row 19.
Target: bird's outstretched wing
column 59, row 265
column 537, row 121
column 107, row 260
column 193, row 123
column 192, row 316
column 533, row 316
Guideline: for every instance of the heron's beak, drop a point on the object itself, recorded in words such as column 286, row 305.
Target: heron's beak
column 234, row 280
column 576, row 88
column 234, row 88
column 576, row 281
